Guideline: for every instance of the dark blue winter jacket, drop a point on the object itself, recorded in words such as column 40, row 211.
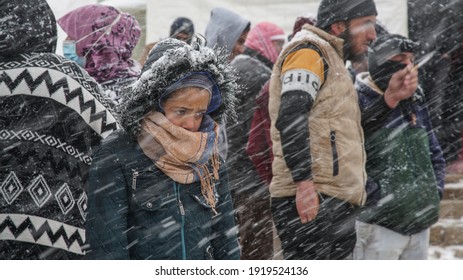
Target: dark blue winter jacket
column 405, row 164
column 135, row 211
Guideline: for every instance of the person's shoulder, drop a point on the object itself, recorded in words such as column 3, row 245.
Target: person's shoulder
column 60, row 66
column 246, row 63
column 51, row 61
column 38, row 59
column 31, row 60
column 307, row 47
column 118, row 82
column 117, row 144
column 365, row 87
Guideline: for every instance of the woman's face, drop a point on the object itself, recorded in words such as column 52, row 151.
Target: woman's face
column 186, row 107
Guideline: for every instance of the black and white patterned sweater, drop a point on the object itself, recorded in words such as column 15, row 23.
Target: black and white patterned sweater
column 52, row 116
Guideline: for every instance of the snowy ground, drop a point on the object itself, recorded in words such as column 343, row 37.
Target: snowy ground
column 458, row 185
column 449, row 252
column 446, row 253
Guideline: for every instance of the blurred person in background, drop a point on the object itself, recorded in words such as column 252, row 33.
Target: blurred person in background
column 101, row 40
column 300, row 21
column 226, row 30
column 250, row 195
column 438, row 27
column 182, row 29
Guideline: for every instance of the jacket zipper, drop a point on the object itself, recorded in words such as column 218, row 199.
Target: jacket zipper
column 335, row 153
column 135, row 174
column 182, row 214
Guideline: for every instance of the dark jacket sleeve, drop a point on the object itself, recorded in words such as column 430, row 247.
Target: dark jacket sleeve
column 225, row 233
column 437, row 156
column 293, row 124
column 107, row 208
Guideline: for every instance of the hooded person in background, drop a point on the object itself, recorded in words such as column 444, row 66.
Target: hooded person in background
column 227, row 30
column 301, row 21
column 160, row 187
column 405, row 163
column 182, row 29
column 250, row 196
column 319, row 159
column 52, row 116
column 101, row 40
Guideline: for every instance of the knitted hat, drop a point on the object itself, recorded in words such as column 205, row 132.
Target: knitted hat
column 202, row 80
column 331, row 11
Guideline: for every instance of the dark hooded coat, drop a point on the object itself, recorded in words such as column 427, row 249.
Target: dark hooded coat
column 405, row 165
column 137, row 211
column 51, row 118
column 255, row 68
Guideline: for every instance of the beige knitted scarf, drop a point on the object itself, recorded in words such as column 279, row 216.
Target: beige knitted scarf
column 181, row 154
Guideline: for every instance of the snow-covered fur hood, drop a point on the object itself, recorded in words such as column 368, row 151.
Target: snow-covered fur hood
column 144, row 94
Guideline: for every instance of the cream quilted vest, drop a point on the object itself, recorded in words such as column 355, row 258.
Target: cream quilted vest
column 336, row 135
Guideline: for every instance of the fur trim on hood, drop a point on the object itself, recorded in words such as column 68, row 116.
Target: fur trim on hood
column 174, row 63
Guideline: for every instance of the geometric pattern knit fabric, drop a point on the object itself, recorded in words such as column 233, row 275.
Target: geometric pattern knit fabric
column 52, row 116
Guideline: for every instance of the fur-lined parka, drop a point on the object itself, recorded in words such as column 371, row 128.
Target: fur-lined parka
column 137, row 211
